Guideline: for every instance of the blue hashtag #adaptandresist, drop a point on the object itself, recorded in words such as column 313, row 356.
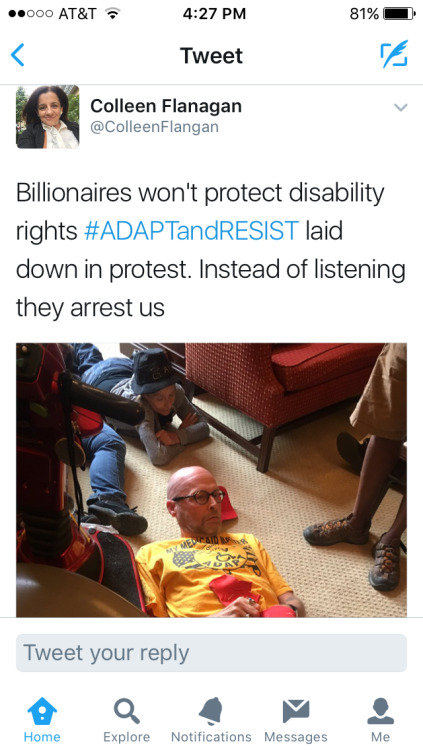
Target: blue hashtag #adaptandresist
column 92, row 230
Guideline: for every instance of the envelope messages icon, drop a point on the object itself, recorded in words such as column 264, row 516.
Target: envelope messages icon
column 295, row 710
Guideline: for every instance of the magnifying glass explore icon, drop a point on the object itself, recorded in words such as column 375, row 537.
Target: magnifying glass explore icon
column 126, row 714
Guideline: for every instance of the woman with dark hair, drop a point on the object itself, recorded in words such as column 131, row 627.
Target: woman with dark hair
column 47, row 126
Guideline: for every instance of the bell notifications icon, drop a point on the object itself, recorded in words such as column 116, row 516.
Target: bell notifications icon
column 211, row 711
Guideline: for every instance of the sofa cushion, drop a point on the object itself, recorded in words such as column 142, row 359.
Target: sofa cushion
column 300, row 366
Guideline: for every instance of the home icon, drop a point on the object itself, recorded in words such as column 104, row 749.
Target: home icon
column 42, row 712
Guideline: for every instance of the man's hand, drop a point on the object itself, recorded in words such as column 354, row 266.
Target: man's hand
column 190, row 419
column 241, row 607
column 168, row 438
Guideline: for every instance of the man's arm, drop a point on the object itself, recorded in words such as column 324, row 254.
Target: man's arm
column 289, row 598
column 282, row 589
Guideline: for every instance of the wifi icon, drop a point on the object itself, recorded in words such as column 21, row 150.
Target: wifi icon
column 112, row 12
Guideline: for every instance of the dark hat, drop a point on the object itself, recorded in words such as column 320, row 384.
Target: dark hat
column 152, row 371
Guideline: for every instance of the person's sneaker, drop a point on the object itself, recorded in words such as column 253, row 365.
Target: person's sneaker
column 332, row 532
column 384, row 575
column 86, row 517
column 90, row 518
column 113, row 513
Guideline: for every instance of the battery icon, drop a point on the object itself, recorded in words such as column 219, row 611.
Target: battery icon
column 398, row 14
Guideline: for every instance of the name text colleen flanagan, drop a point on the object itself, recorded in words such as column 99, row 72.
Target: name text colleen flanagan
column 167, row 107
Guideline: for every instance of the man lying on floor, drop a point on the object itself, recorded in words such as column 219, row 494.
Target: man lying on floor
column 207, row 573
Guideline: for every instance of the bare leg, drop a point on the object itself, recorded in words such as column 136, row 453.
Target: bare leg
column 381, row 456
column 392, row 537
column 380, row 459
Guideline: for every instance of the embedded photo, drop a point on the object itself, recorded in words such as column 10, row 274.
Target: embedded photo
column 211, row 480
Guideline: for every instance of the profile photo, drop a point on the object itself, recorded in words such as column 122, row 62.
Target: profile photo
column 47, row 116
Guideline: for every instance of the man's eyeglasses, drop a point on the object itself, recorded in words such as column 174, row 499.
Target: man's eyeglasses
column 202, row 497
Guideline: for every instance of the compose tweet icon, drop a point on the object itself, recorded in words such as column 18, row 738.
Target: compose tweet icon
column 295, row 710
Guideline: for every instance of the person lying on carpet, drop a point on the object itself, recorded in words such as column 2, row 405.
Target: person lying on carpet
column 148, row 377
column 382, row 412
column 206, row 572
column 105, row 454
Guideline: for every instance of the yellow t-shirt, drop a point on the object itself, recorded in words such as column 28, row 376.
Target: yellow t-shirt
column 175, row 574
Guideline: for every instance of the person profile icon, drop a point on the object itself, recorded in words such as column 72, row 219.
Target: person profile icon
column 380, row 706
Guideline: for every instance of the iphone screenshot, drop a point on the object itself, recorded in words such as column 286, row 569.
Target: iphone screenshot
column 243, row 182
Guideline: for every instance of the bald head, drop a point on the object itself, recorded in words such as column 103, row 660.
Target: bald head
column 184, row 478
column 194, row 520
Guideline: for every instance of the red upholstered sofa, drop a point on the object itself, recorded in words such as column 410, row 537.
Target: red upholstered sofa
column 277, row 383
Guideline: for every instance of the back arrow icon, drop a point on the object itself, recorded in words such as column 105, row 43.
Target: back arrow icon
column 13, row 54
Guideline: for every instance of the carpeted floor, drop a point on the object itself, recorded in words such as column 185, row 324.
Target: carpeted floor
column 307, row 482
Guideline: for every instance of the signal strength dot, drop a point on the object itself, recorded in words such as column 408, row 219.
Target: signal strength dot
column 112, row 12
